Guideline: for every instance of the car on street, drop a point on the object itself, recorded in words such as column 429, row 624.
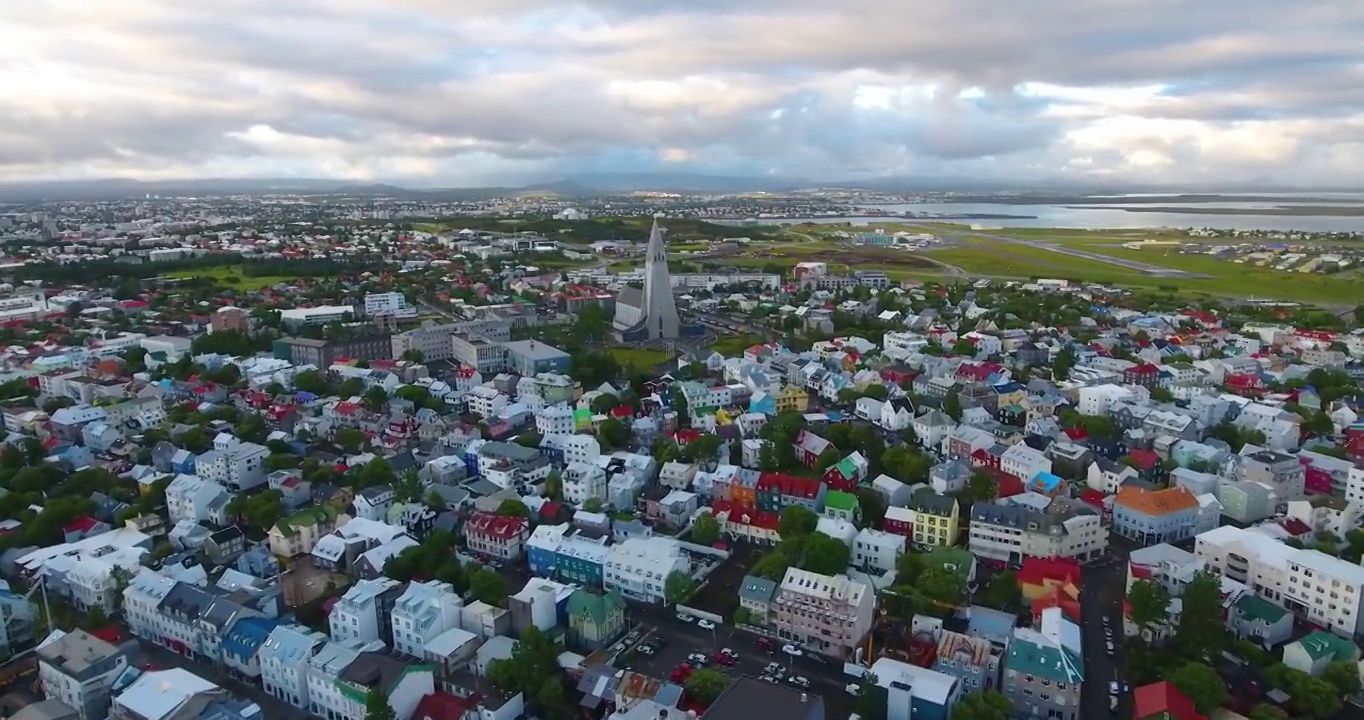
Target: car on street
column 722, row 659
column 765, row 643
column 799, row 681
column 647, row 650
column 853, row 689
column 792, row 650
column 1113, row 688
column 697, row 659
column 1108, row 647
column 706, row 625
column 730, row 652
column 681, row 673
column 683, row 617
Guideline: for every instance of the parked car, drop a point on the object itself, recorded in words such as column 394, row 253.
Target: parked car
column 730, row 652
column 1113, row 688
column 697, row 659
column 765, row 643
column 722, row 659
column 799, row 681
column 683, row 617
column 681, row 673
column 853, row 689
column 792, row 650
column 647, row 650
column 706, row 625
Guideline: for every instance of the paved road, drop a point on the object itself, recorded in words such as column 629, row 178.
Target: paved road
column 1101, row 596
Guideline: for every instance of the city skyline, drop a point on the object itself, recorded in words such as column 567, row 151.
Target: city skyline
column 483, row 93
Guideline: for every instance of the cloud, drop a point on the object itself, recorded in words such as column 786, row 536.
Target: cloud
column 491, row 91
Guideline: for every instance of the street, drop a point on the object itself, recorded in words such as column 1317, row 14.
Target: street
column 1101, row 596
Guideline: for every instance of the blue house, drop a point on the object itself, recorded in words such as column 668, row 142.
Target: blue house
column 581, row 561
column 763, row 403
column 242, row 643
column 182, row 462
column 542, row 548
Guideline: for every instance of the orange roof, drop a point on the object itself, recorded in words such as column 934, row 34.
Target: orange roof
column 1156, row 502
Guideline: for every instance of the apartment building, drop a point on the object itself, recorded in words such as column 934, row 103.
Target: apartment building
column 974, row 661
column 1065, row 529
column 1327, row 591
column 638, row 568
column 496, row 536
column 877, row 550
column 434, row 341
column 825, row 614
column 1163, row 516
column 362, row 614
column 79, row 669
column 582, row 482
column 233, row 464
column 298, row 534
column 475, row 351
column 197, row 499
column 936, row 520
column 284, row 662
column 421, row 613
column 1282, row 472
column 1024, row 462
column 1249, row 557
column 1044, row 669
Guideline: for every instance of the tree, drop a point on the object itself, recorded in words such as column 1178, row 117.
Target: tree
column 705, row 685
column 772, row 566
column 604, row 403
column 906, row 464
column 252, row 427
column 1202, row 685
column 706, row 530
column 797, row 521
column 985, row 705
column 1312, row 696
column 378, row 471
column 1265, row 711
column 350, row 439
column 613, row 433
column 551, row 700
column 952, row 406
column 678, row 587
column 375, row 398
column 872, row 506
column 311, row 381
column 871, row 701
column 1343, row 676
column 1002, row 591
column 964, row 346
column 1150, row 603
column 511, row 507
column 534, row 662
column 704, row 449
column 593, row 505
column 1200, row 633
column 377, row 707
column 1160, row 394
column 942, row 587
column 487, row 586
column 825, row 555
column 826, row 460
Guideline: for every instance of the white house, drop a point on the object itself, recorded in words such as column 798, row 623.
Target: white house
column 639, row 567
column 423, row 612
column 232, row 463
column 1024, row 462
column 193, row 498
column 583, row 482
column 877, row 550
column 284, row 662
column 79, row 669
column 360, row 615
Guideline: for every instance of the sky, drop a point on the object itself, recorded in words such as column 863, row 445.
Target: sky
column 483, row 92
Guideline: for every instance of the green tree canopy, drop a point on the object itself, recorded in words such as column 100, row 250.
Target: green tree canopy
column 984, row 705
column 825, row 555
column 705, row 685
column 1202, row 685
column 706, row 529
column 678, row 587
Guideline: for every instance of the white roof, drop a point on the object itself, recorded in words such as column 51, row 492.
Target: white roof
column 930, row 685
column 446, row 643
column 159, row 693
column 1332, row 567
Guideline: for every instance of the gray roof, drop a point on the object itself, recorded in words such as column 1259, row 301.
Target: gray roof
column 748, row 698
column 757, row 589
column 46, row 710
column 535, row 350
column 79, row 654
column 932, row 503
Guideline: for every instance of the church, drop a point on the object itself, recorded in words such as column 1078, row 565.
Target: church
column 651, row 313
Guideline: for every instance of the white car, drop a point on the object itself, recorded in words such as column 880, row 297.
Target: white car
column 792, row 650
column 730, row 653
column 799, row 681
column 1113, row 688
column 706, row 625
column 773, row 668
column 646, row 650
column 853, row 689
column 697, row 659
column 683, row 617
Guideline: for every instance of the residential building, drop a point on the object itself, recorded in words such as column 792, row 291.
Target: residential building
column 583, row 481
column 233, row 464
column 1163, row 701
column 402, row 684
column 496, row 536
column 421, row 614
column 915, row 693
column 876, row 550
column 362, row 614
column 1327, row 591
column 79, row 669
column 827, row 615
column 1009, row 533
column 974, row 661
column 298, row 534
column 1282, row 472
column 1162, row 516
column 284, row 662
column 531, row 357
column 1044, row 669
column 1315, row 652
column 936, row 519
column 756, row 596
column 748, row 696
column 638, row 568
column 1260, row 621
column 595, row 619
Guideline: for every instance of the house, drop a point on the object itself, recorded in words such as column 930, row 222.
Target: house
column 639, row 567
column 1314, row 653
column 496, row 536
column 810, row 446
column 876, row 550
column 1161, row 516
column 830, row 615
column 1163, row 701
column 225, row 545
column 756, row 595
column 899, row 520
column 932, row 427
column 1253, row 618
column 298, row 534
column 1044, row 669
column 847, row 473
column 361, row 615
column 595, row 619
column 1042, row 576
column 936, row 520
column 1107, row 477
column 79, row 670
column 284, row 662
column 373, row 503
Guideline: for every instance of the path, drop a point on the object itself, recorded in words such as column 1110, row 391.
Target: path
column 1145, row 268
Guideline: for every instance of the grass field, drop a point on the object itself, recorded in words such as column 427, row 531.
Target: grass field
column 233, row 277
column 732, row 345
column 640, row 358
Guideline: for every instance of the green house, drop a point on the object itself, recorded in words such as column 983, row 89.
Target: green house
column 595, row 620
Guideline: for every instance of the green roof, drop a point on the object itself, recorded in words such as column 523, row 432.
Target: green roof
column 1322, row 644
column 839, row 500
column 957, row 559
column 597, row 606
column 847, row 468
column 1254, row 608
column 307, row 516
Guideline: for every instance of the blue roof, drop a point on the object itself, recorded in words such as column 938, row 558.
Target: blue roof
column 247, row 635
column 835, row 415
column 1046, row 481
column 304, row 396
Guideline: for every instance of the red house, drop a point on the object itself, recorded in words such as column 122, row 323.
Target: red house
column 898, row 520
column 898, row 374
column 497, row 536
column 810, row 446
column 1246, row 384
column 1163, row 700
column 1145, row 375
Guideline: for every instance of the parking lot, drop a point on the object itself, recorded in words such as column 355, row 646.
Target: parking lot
column 682, row 639
column 721, row 592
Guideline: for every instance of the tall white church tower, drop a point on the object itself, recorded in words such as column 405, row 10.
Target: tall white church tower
column 660, row 310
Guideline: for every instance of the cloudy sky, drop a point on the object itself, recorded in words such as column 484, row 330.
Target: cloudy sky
column 467, row 92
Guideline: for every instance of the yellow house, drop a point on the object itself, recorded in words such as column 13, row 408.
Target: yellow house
column 937, row 519
column 297, row 534
column 793, row 398
column 1018, row 396
column 722, row 417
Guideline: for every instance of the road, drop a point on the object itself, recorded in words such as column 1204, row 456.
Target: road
column 1147, row 268
column 1101, row 595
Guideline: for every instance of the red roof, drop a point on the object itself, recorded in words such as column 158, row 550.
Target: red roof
column 1009, row 485
column 1295, row 527
column 497, row 526
column 1162, row 697
column 444, row 706
column 81, row 525
column 1040, row 571
column 747, row 515
column 1143, row 459
column 789, row 485
column 110, row 634
column 1145, row 369
column 622, row 411
column 1090, row 496
column 1077, row 434
column 346, row 408
column 685, row 436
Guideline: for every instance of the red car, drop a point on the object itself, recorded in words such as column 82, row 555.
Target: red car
column 723, row 659
column 766, row 644
column 681, row 673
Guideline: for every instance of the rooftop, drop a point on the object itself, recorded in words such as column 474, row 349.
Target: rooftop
column 747, row 698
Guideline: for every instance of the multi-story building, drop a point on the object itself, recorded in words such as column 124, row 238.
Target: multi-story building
column 826, row 614
column 580, row 560
column 1024, row 462
column 1327, row 591
column 877, row 550
column 298, row 534
column 1161, row 516
column 141, row 600
column 229, row 319
column 582, row 482
column 532, row 357
column 389, row 304
column 79, row 669
column 936, row 519
column 323, row 353
column 1282, row 472
column 420, row 614
column 233, row 464
column 1249, row 557
column 475, row 351
column 496, row 536
column 975, row 661
column 284, row 662
column 1009, row 533
column 1044, row 669
column 556, row 420
column 434, row 341
column 362, row 614
column 639, row 567
column 197, row 499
